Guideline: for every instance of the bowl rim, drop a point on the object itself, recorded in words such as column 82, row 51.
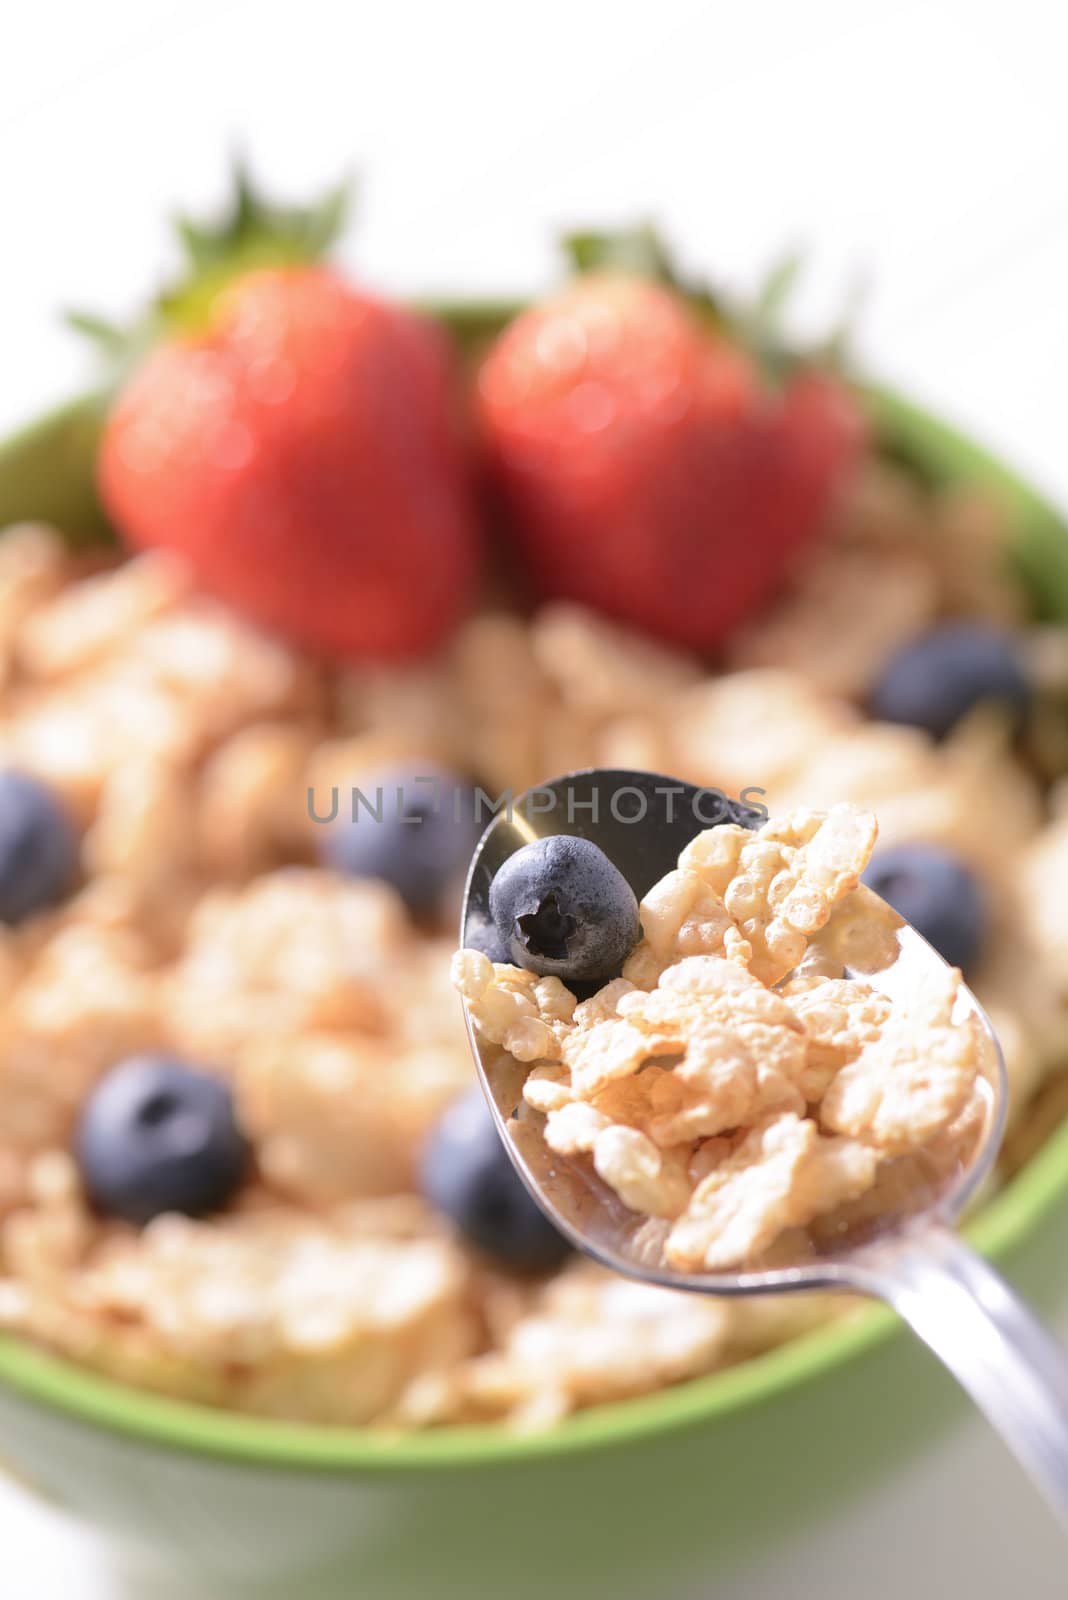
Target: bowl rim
column 60, row 1384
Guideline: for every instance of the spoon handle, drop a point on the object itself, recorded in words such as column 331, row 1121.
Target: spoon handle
column 1014, row 1370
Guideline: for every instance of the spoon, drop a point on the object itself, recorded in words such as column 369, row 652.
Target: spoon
column 1014, row 1370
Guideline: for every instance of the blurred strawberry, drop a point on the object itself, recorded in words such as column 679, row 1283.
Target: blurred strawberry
column 647, row 468
column 293, row 438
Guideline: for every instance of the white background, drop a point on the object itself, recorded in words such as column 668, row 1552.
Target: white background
column 919, row 147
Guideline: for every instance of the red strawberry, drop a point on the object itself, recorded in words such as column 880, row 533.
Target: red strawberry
column 646, row 470
column 298, row 449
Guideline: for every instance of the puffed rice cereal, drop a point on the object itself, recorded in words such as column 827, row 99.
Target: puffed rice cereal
column 706, row 1091
column 183, row 743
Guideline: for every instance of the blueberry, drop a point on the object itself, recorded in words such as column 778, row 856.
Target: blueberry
column 561, row 908
column 417, row 831
column 933, row 889
column 468, row 1176
column 157, row 1135
column 935, row 679
column 38, row 848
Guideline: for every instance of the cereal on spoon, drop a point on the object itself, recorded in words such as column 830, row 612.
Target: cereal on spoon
column 707, row 1087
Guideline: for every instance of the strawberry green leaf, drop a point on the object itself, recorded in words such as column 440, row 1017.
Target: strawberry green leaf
column 775, row 292
column 835, row 349
column 254, row 228
column 109, row 337
column 251, row 233
column 639, row 250
column 756, row 323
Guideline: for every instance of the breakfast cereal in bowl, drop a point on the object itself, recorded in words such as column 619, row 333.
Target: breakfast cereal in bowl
column 360, row 581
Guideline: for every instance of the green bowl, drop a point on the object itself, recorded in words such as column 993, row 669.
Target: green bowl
column 625, row 1499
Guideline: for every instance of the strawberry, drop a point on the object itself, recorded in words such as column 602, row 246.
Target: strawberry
column 293, row 438
column 646, row 468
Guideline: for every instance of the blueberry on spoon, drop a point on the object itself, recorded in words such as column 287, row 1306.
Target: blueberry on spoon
column 561, row 909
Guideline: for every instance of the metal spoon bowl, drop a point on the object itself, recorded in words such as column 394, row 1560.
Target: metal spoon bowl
column 909, row 1257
